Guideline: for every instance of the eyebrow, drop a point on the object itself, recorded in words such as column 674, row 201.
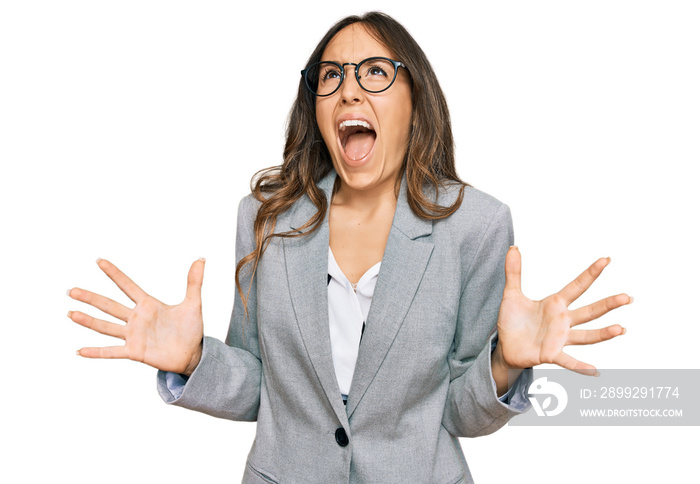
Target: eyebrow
column 341, row 63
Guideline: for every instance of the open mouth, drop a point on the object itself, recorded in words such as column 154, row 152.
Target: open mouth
column 356, row 138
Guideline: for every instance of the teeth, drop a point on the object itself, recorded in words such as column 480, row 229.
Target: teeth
column 354, row 122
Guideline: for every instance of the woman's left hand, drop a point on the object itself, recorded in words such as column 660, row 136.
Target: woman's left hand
column 534, row 332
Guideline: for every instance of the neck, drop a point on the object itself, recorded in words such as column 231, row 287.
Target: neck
column 368, row 200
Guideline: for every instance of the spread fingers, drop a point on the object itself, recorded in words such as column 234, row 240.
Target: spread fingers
column 571, row 363
column 599, row 308
column 578, row 286
column 102, row 303
column 108, row 352
column 99, row 325
column 592, row 336
column 128, row 287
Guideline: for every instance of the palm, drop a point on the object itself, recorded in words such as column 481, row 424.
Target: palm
column 535, row 332
column 165, row 337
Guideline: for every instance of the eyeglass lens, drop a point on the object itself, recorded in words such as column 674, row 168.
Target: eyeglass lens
column 375, row 74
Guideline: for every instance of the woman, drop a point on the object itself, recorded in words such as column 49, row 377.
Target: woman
column 366, row 208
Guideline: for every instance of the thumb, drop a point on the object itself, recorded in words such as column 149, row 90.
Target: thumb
column 513, row 268
column 194, row 280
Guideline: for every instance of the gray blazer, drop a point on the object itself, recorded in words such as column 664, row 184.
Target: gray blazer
column 423, row 374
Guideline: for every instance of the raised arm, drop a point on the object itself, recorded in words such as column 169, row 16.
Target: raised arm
column 222, row 379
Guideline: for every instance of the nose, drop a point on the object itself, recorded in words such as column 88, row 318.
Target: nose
column 350, row 90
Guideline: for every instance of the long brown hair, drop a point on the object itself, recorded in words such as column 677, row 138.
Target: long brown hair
column 429, row 160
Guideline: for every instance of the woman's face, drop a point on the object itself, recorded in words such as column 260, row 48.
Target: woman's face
column 367, row 157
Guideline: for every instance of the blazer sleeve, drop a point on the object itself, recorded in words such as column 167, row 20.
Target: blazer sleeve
column 226, row 383
column 472, row 407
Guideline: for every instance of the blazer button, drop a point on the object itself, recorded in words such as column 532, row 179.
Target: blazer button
column 341, row 437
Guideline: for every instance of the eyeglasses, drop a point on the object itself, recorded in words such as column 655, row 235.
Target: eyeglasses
column 375, row 74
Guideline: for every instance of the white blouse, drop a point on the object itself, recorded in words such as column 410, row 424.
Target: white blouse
column 347, row 312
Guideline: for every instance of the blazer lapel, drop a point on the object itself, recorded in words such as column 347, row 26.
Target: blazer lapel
column 306, row 259
column 405, row 259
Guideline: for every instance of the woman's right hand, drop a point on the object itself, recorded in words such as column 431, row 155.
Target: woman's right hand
column 168, row 338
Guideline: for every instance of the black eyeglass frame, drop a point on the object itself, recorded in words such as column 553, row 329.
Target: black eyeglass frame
column 341, row 67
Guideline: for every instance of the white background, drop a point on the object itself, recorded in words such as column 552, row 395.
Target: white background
column 129, row 130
